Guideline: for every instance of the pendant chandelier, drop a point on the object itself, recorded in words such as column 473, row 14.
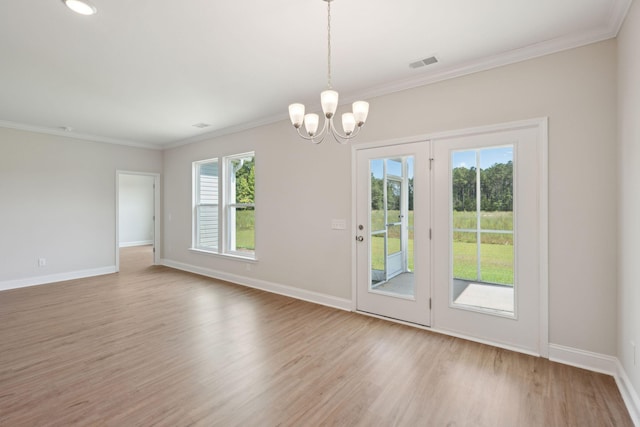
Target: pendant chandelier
column 351, row 122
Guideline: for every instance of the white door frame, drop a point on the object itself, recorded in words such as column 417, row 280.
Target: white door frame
column 156, row 214
column 542, row 125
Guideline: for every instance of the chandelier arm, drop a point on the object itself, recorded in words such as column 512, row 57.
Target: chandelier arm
column 339, row 137
column 323, row 133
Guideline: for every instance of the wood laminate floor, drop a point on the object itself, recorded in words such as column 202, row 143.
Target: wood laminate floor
column 155, row 346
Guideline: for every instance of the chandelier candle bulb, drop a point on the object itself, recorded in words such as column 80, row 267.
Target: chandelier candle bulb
column 311, row 123
column 329, row 102
column 348, row 123
column 296, row 113
column 360, row 111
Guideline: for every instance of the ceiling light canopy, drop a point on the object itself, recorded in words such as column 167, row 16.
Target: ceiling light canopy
column 83, row 7
column 351, row 122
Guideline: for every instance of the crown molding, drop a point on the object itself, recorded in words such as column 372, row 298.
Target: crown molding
column 548, row 47
column 76, row 135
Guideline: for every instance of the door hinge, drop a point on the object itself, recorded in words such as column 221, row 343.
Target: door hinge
column 431, row 163
column 154, row 217
column 430, row 234
column 154, row 251
column 429, row 303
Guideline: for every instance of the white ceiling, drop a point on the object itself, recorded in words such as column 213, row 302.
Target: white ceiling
column 144, row 72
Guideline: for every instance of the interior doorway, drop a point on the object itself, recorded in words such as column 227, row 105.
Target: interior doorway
column 137, row 217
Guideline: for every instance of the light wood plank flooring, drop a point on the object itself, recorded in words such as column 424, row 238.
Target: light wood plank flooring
column 155, row 346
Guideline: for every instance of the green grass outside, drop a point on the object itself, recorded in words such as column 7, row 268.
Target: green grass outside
column 496, row 249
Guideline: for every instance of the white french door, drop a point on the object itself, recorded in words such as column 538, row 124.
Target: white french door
column 451, row 234
column 487, row 237
column 392, row 215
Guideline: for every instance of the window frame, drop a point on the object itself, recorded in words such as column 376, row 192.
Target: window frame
column 225, row 208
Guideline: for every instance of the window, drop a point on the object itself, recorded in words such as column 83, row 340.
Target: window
column 224, row 205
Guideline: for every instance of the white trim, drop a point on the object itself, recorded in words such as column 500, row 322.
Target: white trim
column 583, row 359
column 75, row 135
column 139, row 243
column 629, row 394
column 543, row 231
column 59, row 277
column 289, row 291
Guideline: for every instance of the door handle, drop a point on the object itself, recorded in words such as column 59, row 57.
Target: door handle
column 359, row 238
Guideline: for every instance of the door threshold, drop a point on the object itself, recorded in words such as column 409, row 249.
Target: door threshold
column 394, row 320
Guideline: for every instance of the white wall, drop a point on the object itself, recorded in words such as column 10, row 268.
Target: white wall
column 135, row 209
column 301, row 187
column 629, row 218
column 57, row 201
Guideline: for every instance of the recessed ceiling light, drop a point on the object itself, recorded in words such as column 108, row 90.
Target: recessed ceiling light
column 83, row 7
column 202, row 125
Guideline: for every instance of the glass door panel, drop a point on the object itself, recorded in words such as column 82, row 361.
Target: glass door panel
column 482, row 238
column 390, row 256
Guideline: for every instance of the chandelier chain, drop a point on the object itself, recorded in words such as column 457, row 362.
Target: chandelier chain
column 329, row 44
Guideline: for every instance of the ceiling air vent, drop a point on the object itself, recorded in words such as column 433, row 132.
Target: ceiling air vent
column 201, row 125
column 427, row 61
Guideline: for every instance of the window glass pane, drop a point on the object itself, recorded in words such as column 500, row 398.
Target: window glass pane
column 377, row 257
column 394, row 244
column 482, row 188
column 207, row 206
column 243, row 170
column 377, row 195
column 392, row 257
column 394, row 167
column 496, row 259
column 240, row 206
column 207, row 234
column 496, row 188
column 208, row 183
column 465, row 256
column 244, row 220
column 464, row 167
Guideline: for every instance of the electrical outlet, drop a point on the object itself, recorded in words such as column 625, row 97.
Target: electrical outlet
column 42, row 262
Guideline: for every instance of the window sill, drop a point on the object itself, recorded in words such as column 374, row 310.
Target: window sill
column 235, row 257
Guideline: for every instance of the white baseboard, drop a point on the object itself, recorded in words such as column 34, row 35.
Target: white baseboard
column 629, row 394
column 584, row 359
column 289, row 291
column 602, row 363
column 51, row 278
column 138, row 243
